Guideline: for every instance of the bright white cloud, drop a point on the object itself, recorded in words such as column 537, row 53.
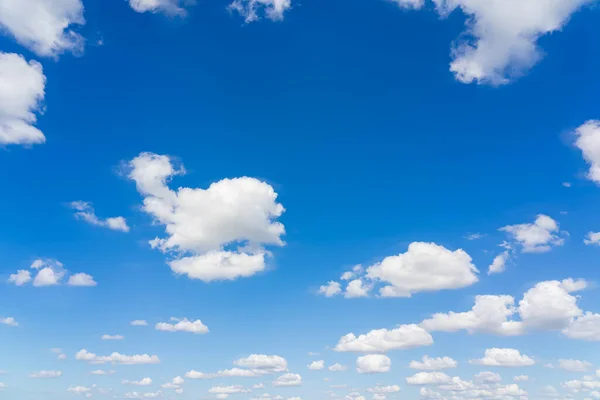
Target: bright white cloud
column 424, row 267
column 46, row 374
column 233, row 389
column 384, row 340
column 584, row 327
column 200, row 223
column 574, row 365
column 183, row 325
column 504, row 358
column 116, row 358
column 592, row 238
column 337, row 367
column 85, row 212
column 356, row 288
column 487, row 377
column 141, row 382
column 81, row 279
column 288, row 379
column 20, row 278
column 316, row 365
column 373, row 364
column 263, row 363
column 251, row 10
column 499, row 264
column 428, row 378
column 331, row 289
column 22, row 91
column 500, row 42
column 169, row 7
column 537, row 237
column 44, row 27
column 10, row 321
column 433, row 364
column 50, row 273
column 588, row 141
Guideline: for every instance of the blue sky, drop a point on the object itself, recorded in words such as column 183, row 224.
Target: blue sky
column 265, row 181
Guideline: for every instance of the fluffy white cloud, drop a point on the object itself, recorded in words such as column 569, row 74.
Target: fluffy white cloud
column 262, row 363
column 20, row 278
column 22, row 90
column 373, row 363
column 337, row 367
column 228, row 389
column 357, row 288
column 141, row 382
column 116, row 358
column 499, row 264
column 433, row 364
column 537, row 237
column 501, row 37
column 183, row 325
column 10, row 321
column 428, row 378
column 331, row 289
column 46, row 374
column 42, row 26
column 504, row 358
column 169, row 7
column 81, row 279
column 384, row 340
column 424, row 267
column 251, row 9
column 288, row 379
column 574, row 365
column 85, row 212
column 487, row 377
column 490, row 314
column 200, row 223
column 585, row 327
column 316, row 365
column 50, row 275
column 588, row 141
column 112, row 337
column 592, row 238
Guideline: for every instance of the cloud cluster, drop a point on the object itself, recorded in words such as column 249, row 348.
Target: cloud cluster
column 218, row 233
column 169, row 7
column 248, row 367
column 537, row 237
column 252, row 9
column 49, row 273
column 587, row 139
column 116, row 358
column 182, row 325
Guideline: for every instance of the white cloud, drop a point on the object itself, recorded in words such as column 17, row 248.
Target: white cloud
column 10, row 321
column 103, row 372
column 356, row 288
column 433, row 364
column 85, row 212
column 22, row 90
column 288, row 379
column 373, row 364
column 588, row 141
column 116, row 358
column 490, row 314
column 500, row 43
column 46, row 374
column 79, row 389
column 113, row 337
column 139, row 322
column 584, row 327
column 337, row 367
column 81, row 279
column 574, row 365
column 228, row 389
column 384, row 340
column 250, row 10
column 592, row 238
column 499, row 264
column 262, row 363
column 169, row 7
column 201, row 223
column 504, row 358
column 428, row 378
column 474, row 236
column 183, row 325
column 424, row 267
column 521, row 378
column 537, row 237
column 487, row 377
column 316, row 365
column 20, row 278
column 49, row 276
column 147, row 395
column 43, row 26
column 141, row 382
column 331, row 289
column 384, row 389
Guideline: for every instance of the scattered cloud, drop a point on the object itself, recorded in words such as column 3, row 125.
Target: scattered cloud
column 331, row 289
column 200, row 223
column 113, row 337
column 499, row 264
column 46, row 374
column 182, row 325
column 373, row 364
column 49, row 273
column 428, row 378
column 316, row 365
column 474, row 236
column 384, row 340
column 81, row 279
column 85, row 212
column 574, row 365
column 116, row 358
column 433, row 364
column 537, row 237
column 592, row 239
column 22, row 91
column 46, row 28
column 251, row 10
column 337, row 367
column 139, row 322
column 168, row 7
column 141, row 382
column 588, row 141
column 288, row 379
column 10, row 321
column 504, row 358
